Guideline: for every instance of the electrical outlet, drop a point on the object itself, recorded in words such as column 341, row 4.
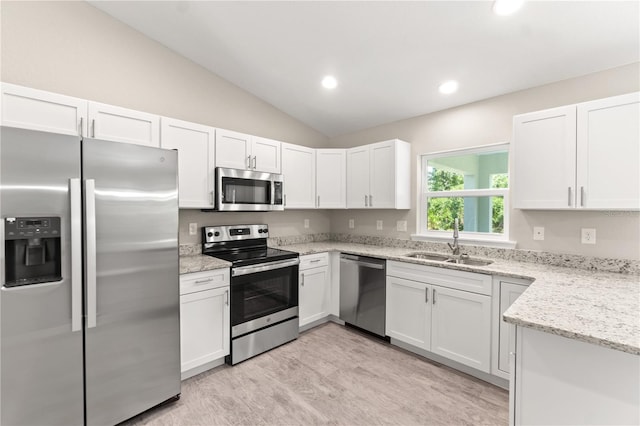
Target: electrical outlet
column 352, row 223
column 193, row 229
column 379, row 225
column 306, row 223
column 588, row 236
column 401, row 226
column 538, row 233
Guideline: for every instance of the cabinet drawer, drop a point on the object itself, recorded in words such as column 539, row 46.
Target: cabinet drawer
column 314, row 260
column 459, row 280
column 199, row 281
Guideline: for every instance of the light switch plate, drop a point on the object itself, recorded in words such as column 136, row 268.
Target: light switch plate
column 193, row 229
column 538, row 233
column 306, row 223
column 379, row 225
column 588, row 236
column 401, row 226
column 352, row 223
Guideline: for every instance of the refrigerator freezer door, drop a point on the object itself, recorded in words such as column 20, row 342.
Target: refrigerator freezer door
column 133, row 349
column 40, row 356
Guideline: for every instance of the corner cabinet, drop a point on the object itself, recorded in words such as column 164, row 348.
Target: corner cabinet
column 378, row 175
column 237, row 150
column 205, row 324
column 299, row 172
column 314, row 288
column 446, row 312
column 567, row 157
column 196, row 166
column 331, row 178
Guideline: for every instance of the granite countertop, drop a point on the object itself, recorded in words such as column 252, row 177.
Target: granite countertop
column 602, row 308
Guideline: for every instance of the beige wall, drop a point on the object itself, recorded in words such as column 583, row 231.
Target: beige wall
column 75, row 49
column 490, row 121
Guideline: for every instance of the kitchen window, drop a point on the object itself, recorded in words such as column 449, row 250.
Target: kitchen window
column 471, row 185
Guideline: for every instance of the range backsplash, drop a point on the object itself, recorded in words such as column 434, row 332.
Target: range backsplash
column 590, row 263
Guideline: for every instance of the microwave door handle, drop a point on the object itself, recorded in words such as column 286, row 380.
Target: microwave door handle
column 233, row 196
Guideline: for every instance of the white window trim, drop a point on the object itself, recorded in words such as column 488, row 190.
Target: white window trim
column 480, row 238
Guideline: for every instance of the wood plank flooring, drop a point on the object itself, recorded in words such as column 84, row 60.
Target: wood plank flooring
column 337, row 376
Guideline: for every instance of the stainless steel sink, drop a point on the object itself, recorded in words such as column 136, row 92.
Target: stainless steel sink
column 439, row 257
column 429, row 256
column 470, row 261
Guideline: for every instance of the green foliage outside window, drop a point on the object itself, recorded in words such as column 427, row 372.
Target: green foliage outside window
column 442, row 211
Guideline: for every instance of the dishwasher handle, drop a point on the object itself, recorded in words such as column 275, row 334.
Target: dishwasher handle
column 355, row 260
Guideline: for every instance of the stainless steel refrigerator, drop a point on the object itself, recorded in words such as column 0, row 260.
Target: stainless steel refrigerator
column 89, row 304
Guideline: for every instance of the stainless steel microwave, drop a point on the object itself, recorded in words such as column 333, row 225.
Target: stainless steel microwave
column 244, row 190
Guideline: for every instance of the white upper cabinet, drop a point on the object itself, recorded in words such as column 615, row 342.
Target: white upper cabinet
column 608, row 153
column 112, row 123
column 299, row 171
column 544, row 166
column 33, row 109
column 378, row 175
column 196, row 167
column 241, row 151
column 583, row 156
column 331, row 178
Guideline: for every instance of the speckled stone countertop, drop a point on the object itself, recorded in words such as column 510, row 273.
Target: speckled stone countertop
column 602, row 308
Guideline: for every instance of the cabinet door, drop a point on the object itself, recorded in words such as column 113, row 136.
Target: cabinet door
column 382, row 191
column 299, row 171
column 358, row 177
column 509, row 292
column 233, row 149
column 408, row 312
column 33, row 109
column 204, row 327
column 314, row 292
column 331, row 178
column 461, row 328
column 609, row 153
column 195, row 145
column 112, row 123
column 544, row 159
column 266, row 155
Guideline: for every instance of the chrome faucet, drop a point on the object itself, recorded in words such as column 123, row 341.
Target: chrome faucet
column 455, row 248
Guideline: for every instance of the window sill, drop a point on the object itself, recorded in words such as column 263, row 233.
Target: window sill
column 466, row 240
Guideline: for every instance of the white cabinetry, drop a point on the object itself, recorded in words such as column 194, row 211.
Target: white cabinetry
column 33, row 109
column 204, row 320
column 196, row 167
column 112, row 123
column 314, row 288
column 241, row 151
column 446, row 312
column 583, row 156
column 378, row 175
column 299, row 171
column 331, row 178
column 506, row 291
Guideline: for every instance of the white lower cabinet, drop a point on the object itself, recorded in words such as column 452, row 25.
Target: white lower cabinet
column 204, row 320
column 314, row 288
column 449, row 322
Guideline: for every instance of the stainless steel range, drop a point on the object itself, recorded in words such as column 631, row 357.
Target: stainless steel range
column 264, row 288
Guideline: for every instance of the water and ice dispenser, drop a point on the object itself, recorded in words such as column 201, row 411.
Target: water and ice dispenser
column 32, row 250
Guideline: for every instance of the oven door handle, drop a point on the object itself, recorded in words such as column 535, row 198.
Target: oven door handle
column 262, row 267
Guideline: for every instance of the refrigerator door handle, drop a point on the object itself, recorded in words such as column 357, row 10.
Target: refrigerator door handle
column 76, row 254
column 90, row 253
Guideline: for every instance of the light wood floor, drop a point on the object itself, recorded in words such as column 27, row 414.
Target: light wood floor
column 333, row 375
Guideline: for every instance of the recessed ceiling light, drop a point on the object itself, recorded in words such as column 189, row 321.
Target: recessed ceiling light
column 506, row 7
column 448, row 87
column 329, row 82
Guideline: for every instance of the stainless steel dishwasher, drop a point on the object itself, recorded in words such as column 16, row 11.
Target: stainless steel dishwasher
column 362, row 292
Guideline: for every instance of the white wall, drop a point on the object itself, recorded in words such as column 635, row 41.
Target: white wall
column 490, row 121
column 72, row 48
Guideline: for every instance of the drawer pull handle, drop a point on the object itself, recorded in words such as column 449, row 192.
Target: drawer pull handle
column 315, row 260
column 208, row 280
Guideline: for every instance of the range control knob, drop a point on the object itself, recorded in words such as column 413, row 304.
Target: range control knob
column 209, row 234
column 217, row 233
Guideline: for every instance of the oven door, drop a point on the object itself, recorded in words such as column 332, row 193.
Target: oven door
column 263, row 295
